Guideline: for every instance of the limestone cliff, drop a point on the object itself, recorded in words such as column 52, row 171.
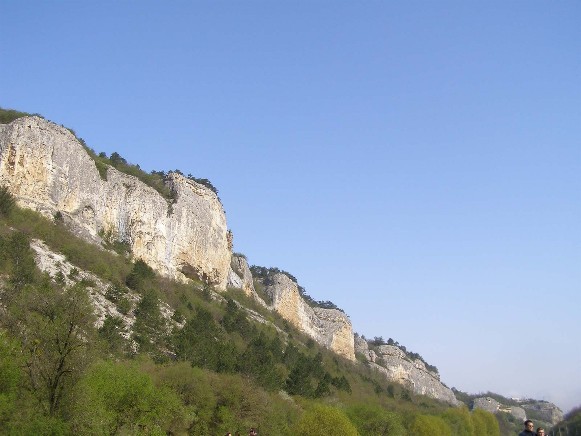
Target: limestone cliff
column 48, row 170
column 241, row 277
column 540, row 411
column 543, row 410
column 491, row 405
column 329, row 327
column 392, row 362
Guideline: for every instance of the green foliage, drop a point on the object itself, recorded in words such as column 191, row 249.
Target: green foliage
column 120, row 399
column 9, row 115
column 10, row 376
column 459, row 420
column 39, row 424
column 427, row 425
column 83, row 254
column 373, row 420
column 149, row 329
column 124, row 305
column 228, row 370
column 140, row 276
column 7, row 201
column 201, row 181
column 218, row 403
column 484, row 423
column 155, row 179
column 507, row 423
column 300, row 381
column 110, row 333
column 571, row 424
column 324, row 420
column 260, row 360
column 18, row 261
column 53, row 327
column 203, row 343
column 235, row 319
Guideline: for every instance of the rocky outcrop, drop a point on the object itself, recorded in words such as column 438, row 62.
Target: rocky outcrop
column 491, row 405
column 543, row 410
column 329, row 327
column 394, row 364
column 48, row 170
column 240, row 276
column 538, row 410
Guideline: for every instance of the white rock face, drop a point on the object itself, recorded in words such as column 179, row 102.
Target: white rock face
column 49, row 171
column 329, row 327
column 240, row 276
column 53, row 263
column 392, row 362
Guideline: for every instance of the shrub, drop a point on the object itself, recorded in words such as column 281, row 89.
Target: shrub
column 324, row 420
column 9, row 115
column 373, row 420
column 485, row 423
column 428, row 425
column 120, row 399
column 7, row 201
column 459, row 421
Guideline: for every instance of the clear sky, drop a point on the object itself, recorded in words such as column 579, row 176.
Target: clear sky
column 417, row 163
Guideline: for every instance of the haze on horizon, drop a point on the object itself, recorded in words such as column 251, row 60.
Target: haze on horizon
column 417, row 164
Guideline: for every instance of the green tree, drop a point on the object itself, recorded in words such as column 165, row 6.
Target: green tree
column 110, row 333
column 324, row 420
column 203, row 343
column 259, row 361
column 372, row 420
column 149, row 329
column 234, row 319
column 299, row 381
column 54, row 327
column 428, row 425
column 458, row 418
column 22, row 267
column 141, row 276
column 485, row 423
column 10, row 377
column 7, row 201
column 193, row 386
column 119, row 399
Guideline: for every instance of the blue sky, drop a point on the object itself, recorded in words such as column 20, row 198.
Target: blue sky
column 416, row 163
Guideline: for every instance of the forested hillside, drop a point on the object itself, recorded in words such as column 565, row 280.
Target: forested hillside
column 93, row 341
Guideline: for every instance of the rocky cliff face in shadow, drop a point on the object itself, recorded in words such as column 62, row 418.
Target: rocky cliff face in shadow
column 48, row 170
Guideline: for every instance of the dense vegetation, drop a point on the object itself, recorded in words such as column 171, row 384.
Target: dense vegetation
column 207, row 369
column 9, row 115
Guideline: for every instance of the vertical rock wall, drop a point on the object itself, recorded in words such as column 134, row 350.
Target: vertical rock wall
column 329, row 327
column 48, row 170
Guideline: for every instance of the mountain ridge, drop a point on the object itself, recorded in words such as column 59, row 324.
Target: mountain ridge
column 92, row 225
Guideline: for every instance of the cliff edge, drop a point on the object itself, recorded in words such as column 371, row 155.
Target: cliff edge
column 48, row 170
